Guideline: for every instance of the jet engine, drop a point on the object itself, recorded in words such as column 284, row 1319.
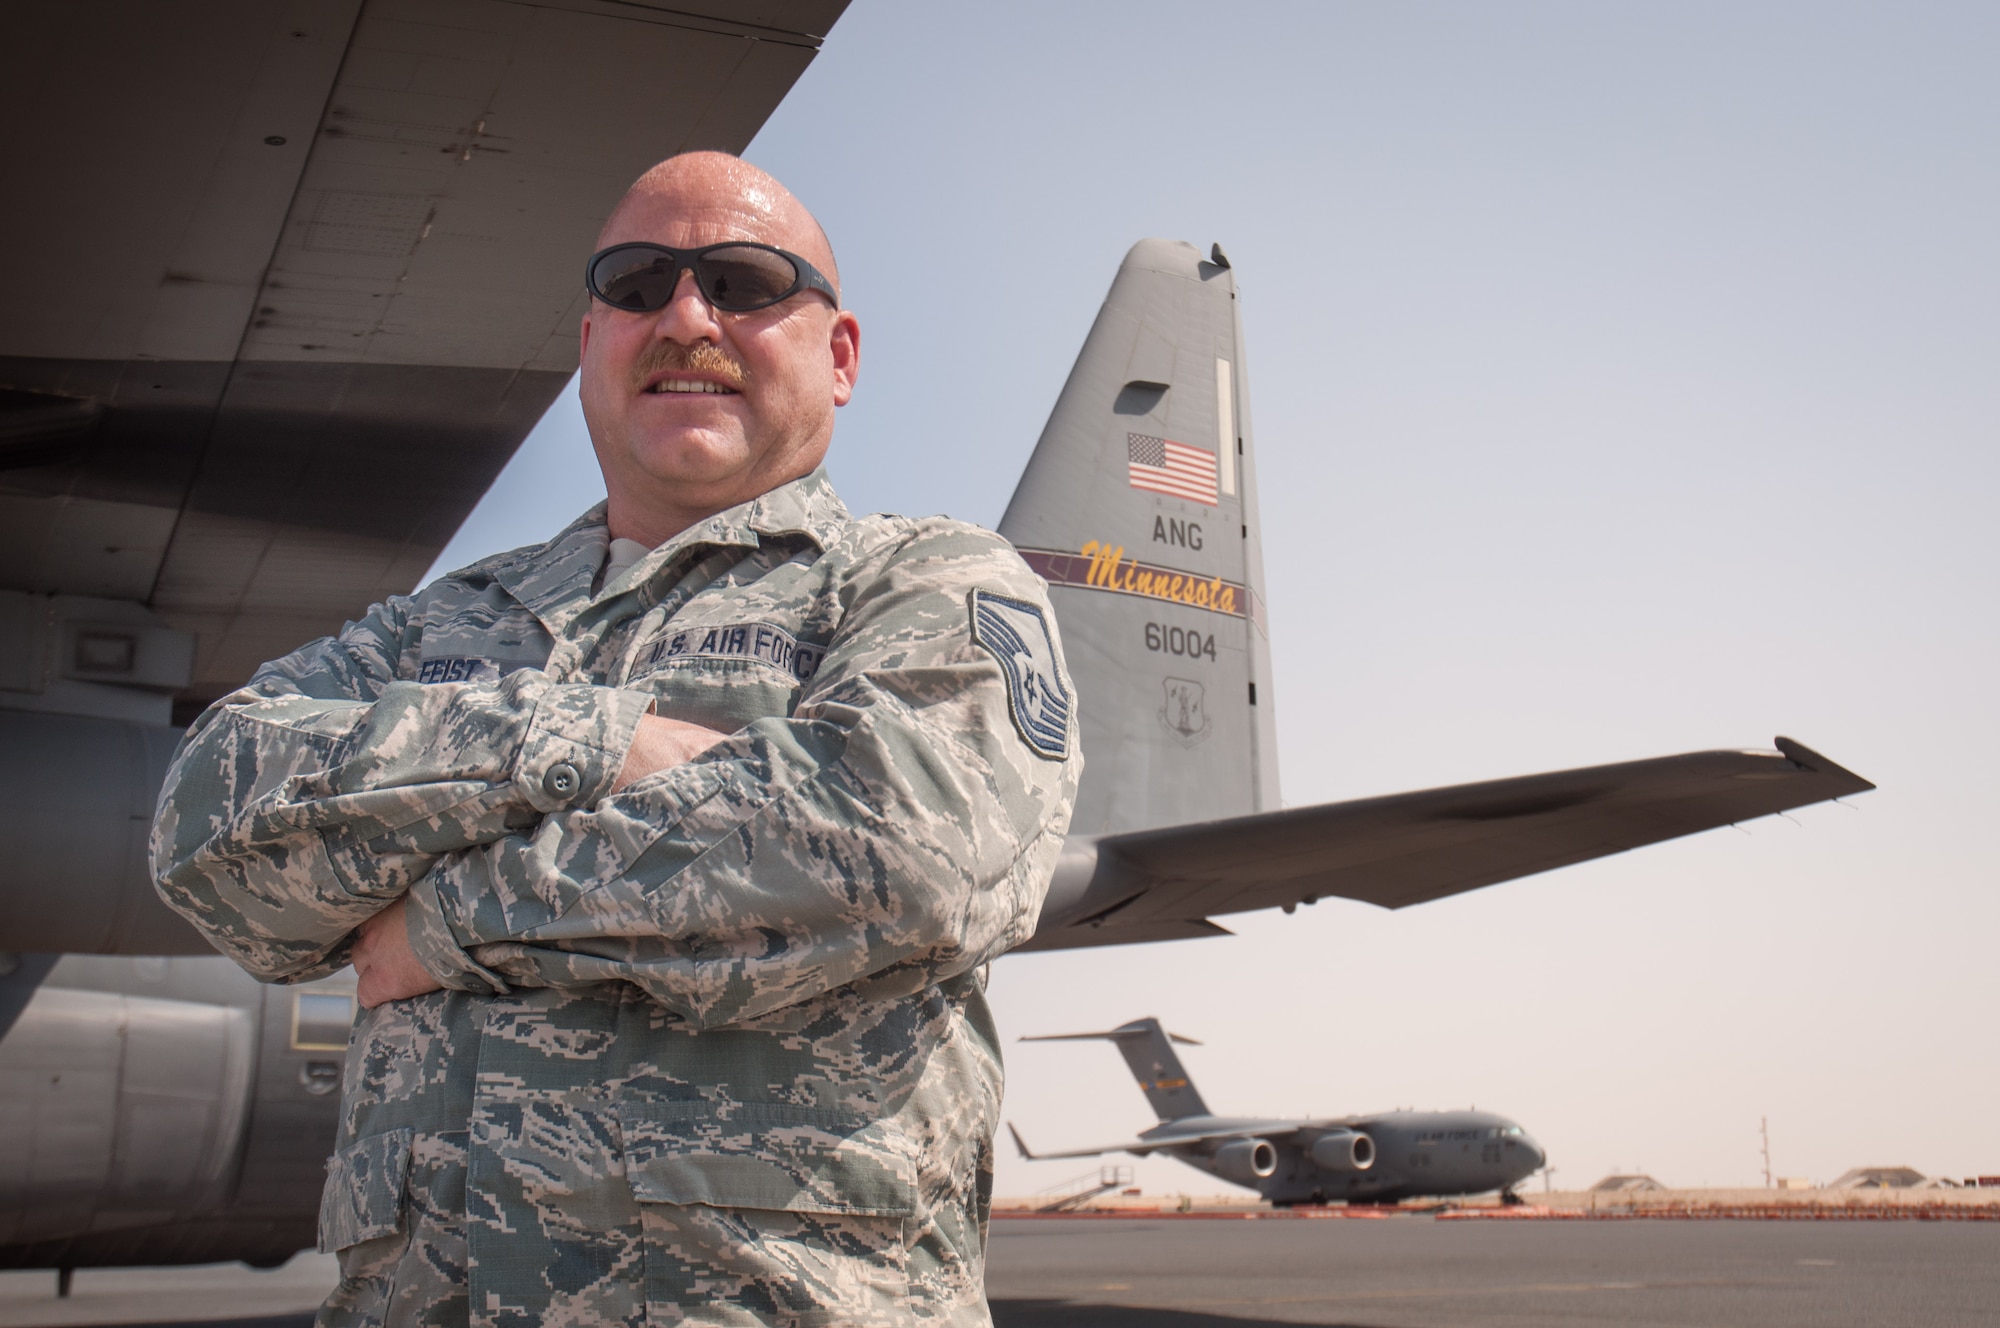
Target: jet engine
column 1246, row 1161
column 1343, row 1150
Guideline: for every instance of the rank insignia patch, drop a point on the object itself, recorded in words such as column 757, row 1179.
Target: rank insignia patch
column 1017, row 635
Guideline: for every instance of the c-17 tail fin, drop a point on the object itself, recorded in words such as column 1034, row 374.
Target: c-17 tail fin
column 1148, row 1050
column 1030, row 1155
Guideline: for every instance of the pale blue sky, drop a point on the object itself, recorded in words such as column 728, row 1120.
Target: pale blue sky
column 1624, row 381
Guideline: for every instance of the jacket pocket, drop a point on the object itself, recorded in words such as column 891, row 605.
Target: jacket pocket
column 363, row 1199
column 767, row 1156
column 724, row 695
column 804, row 1212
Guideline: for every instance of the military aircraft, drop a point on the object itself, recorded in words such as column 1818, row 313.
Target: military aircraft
column 1375, row 1159
column 197, row 412
column 259, row 255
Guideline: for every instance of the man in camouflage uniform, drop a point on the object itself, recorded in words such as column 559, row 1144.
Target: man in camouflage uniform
column 668, row 854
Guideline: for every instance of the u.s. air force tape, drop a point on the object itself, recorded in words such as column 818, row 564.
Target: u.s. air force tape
column 759, row 641
column 1017, row 635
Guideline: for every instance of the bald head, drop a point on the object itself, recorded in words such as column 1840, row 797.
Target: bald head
column 716, row 181
column 694, row 409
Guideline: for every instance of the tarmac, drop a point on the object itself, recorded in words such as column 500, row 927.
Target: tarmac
column 1828, row 1204
column 1408, row 1270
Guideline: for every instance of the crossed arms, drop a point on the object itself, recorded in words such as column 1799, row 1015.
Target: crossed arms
column 384, row 961
column 892, row 827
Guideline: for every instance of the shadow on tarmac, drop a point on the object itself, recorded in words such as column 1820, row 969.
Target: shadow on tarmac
column 265, row 1321
column 1006, row 1314
column 1071, row 1314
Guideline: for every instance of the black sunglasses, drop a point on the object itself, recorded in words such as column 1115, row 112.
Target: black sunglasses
column 735, row 277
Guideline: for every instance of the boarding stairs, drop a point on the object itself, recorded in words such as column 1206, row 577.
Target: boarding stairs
column 1073, row 1194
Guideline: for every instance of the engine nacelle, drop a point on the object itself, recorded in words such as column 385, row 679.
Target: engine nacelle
column 166, row 1111
column 1343, row 1150
column 127, row 1104
column 76, row 804
column 1246, row 1161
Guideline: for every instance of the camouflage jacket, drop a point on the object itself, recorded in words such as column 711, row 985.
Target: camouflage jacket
column 713, row 1048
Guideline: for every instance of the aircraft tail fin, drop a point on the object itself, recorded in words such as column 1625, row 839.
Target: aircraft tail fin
column 1148, row 1050
column 1139, row 508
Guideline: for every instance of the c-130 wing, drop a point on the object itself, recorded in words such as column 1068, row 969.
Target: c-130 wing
column 1139, row 507
column 1409, row 848
column 282, row 289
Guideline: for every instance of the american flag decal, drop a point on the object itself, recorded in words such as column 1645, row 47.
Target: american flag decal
column 1161, row 465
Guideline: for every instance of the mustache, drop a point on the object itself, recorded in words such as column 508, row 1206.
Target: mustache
column 700, row 358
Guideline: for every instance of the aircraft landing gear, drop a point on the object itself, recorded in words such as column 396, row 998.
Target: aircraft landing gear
column 1509, row 1199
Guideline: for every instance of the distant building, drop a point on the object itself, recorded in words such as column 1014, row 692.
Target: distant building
column 1883, row 1178
column 1626, row 1185
column 1794, row 1183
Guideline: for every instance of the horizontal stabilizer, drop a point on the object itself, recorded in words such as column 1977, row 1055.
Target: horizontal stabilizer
column 1410, row 848
column 1149, row 1054
column 1156, row 1142
column 1127, row 1032
column 1021, row 1146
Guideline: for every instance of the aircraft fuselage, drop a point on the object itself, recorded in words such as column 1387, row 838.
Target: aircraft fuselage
column 1416, row 1154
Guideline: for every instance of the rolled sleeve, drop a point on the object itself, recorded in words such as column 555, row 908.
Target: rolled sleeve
column 308, row 801
column 575, row 745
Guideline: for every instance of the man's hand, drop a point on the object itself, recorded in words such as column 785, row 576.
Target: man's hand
column 384, row 962
column 661, row 744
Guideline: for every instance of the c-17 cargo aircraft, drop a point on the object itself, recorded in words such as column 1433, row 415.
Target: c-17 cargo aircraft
column 1374, row 1159
column 195, row 430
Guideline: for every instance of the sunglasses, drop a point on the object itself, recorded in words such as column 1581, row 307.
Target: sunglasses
column 734, row 278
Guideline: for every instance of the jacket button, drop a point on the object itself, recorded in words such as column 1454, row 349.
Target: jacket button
column 562, row 780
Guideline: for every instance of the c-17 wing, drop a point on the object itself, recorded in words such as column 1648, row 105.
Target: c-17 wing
column 1154, row 1143
column 1409, row 848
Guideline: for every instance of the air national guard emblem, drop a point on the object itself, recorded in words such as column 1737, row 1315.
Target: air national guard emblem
column 1017, row 635
column 1184, row 715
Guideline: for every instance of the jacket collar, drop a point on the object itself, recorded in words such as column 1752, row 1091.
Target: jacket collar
column 806, row 506
column 553, row 580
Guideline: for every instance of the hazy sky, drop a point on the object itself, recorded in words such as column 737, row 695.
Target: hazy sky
column 1626, row 380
